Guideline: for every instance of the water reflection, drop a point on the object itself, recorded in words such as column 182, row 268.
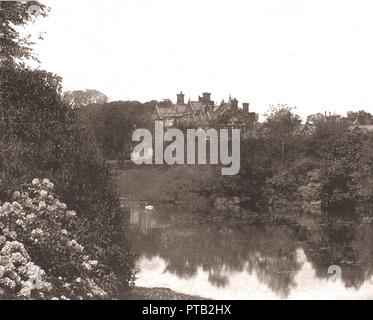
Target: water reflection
column 232, row 259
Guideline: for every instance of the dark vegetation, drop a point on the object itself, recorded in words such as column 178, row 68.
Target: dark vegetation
column 276, row 157
column 42, row 136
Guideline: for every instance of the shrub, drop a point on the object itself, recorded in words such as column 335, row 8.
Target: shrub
column 342, row 171
column 44, row 137
column 285, row 184
column 41, row 256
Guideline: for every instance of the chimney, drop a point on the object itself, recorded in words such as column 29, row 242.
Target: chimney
column 245, row 107
column 234, row 104
column 180, row 98
column 206, row 98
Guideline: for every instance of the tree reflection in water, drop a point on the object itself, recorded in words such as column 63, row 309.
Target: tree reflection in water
column 188, row 242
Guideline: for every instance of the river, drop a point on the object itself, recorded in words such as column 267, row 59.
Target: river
column 213, row 256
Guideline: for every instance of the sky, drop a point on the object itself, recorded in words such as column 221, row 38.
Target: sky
column 315, row 55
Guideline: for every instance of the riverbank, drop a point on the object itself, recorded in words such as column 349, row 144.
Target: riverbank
column 170, row 184
column 141, row 293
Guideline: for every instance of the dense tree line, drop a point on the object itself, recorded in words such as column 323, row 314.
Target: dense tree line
column 278, row 158
column 113, row 124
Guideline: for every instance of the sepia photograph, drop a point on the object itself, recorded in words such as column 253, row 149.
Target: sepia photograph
column 206, row 151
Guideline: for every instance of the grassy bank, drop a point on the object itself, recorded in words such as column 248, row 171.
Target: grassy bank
column 179, row 183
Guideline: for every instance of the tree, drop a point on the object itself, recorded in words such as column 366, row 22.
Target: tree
column 13, row 15
column 281, row 122
column 113, row 124
column 325, row 134
column 342, row 172
column 279, row 129
column 361, row 116
column 81, row 98
column 41, row 136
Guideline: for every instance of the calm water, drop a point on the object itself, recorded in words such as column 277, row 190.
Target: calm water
column 221, row 258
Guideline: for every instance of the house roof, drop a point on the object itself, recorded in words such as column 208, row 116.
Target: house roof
column 163, row 110
column 181, row 108
column 196, row 105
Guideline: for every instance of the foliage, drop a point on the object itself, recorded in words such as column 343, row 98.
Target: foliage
column 285, row 184
column 43, row 137
column 113, row 124
column 13, row 15
column 361, row 116
column 325, row 134
column 256, row 167
column 342, row 171
column 41, row 253
column 280, row 129
column 281, row 122
column 81, row 98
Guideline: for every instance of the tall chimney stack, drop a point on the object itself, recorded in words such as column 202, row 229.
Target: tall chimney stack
column 245, row 107
column 180, row 98
column 234, row 104
column 206, row 98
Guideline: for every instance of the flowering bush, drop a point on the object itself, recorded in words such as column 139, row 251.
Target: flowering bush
column 57, row 144
column 40, row 256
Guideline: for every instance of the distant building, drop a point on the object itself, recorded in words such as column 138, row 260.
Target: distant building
column 193, row 112
column 306, row 129
column 200, row 112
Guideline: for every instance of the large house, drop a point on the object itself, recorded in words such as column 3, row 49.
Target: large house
column 194, row 113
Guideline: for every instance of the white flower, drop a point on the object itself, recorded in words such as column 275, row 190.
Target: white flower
column 53, row 208
column 28, row 203
column 66, row 285
column 64, row 232
column 35, row 182
column 2, row 271
column 25, row 292
column 9, row 283
column 16, row 207
column 7, row 207
column 61, row 205
column 43, row 194
column 93, row 262
column 87, row 266
column 17, row 257
column 73, row 243
column 30, row 217
column 71, row 213
column 48, row 184
column 37, row 231
column 42, row 204
column 10, row 234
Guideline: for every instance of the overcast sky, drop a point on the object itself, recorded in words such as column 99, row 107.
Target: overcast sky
column 312, row 54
